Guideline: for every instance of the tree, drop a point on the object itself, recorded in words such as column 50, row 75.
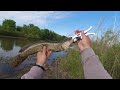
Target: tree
column 9, row 24
column 9, row 28
column 0, row 27
column 19, row 28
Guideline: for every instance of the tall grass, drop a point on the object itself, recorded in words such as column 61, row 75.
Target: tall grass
column 106, row 46
column 71, row 67
column 108, row 50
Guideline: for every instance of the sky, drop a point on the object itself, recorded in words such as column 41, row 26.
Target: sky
column 63, row 22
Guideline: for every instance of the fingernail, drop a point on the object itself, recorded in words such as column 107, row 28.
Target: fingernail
column 44, row 47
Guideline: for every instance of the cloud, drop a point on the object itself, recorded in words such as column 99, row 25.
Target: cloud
column 39, row 18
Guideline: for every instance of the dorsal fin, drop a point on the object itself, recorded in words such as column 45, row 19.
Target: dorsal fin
column 35, row 42
column 25, row 47
column 28, row 45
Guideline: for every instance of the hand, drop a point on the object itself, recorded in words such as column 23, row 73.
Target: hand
column 84, row 43
column 42, row 56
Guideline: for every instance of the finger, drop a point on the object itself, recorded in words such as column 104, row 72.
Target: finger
column 49, row 53
column 39, row 52
column 88, row 38
column 80, row 43
column 83, row 34
column 44, row 49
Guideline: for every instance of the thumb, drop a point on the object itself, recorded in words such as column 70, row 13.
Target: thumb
column 49, row 53
column 44, row 49
column 83, row 34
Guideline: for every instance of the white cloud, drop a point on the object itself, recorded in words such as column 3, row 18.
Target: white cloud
column 39, row 18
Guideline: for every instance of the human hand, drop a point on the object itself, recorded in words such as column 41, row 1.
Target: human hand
column 84, row 43
column 42, row 56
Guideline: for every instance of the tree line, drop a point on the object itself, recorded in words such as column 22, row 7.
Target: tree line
column 9, row 28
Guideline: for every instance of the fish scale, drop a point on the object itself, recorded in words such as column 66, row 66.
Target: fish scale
column 34, row 48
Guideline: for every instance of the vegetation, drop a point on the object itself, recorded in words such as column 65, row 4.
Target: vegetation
column 108, row 50
column 106, row 46
column 9, row 28
column 71, row 66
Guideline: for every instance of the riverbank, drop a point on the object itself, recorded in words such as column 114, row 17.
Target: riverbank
column 18, row 37
column 33, row 39
column 69, row 67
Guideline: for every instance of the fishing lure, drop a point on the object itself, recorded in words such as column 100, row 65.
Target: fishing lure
column 77, row 34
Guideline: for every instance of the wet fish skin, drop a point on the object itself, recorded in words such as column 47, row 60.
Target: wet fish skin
column 15, row 61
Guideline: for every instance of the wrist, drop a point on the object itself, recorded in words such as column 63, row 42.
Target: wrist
column 40, row 66
column 40, row 62
column 81, row 49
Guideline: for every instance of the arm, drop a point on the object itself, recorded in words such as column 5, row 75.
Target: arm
column 34, row 73
column 37, row 72
column 93, row 68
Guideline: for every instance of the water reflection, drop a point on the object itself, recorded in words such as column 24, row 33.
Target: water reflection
column 9, row 47
column 55, row 55
column 21, row 43
column 7, row 44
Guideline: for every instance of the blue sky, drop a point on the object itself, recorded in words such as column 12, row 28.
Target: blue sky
column 63, row 22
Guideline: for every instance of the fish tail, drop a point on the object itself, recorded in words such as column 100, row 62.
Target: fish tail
column 15, row 61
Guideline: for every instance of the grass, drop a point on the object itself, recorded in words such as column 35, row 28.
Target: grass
column 70, row 67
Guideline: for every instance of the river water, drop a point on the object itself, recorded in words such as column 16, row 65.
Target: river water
column 9, row 47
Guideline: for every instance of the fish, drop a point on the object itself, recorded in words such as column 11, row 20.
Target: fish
column 36, row 47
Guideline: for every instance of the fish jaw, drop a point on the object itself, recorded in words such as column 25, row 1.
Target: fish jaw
column 67, row 44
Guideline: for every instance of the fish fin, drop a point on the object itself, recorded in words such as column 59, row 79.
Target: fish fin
column 24, row 48
column 28, row 45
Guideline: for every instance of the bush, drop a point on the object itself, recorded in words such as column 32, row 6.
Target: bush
column 11, row 33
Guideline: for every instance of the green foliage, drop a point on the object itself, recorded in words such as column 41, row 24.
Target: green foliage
column 71, row 66
column 109, row 53
column 9, row 28
column 11, row 33
column 9, row 24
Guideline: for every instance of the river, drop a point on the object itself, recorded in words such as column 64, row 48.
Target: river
column 9, row 47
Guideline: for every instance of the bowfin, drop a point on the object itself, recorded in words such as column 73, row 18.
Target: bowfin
column 25, row 47
column 28, row 45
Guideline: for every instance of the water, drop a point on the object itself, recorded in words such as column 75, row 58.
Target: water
column 55, row 55
column 9, row 47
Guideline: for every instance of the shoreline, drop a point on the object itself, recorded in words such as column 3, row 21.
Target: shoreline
column 13, row 37
column 28, row 38
column 17, row 37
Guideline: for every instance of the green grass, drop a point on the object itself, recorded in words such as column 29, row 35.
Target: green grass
column 70, row 67
column 111, row 61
